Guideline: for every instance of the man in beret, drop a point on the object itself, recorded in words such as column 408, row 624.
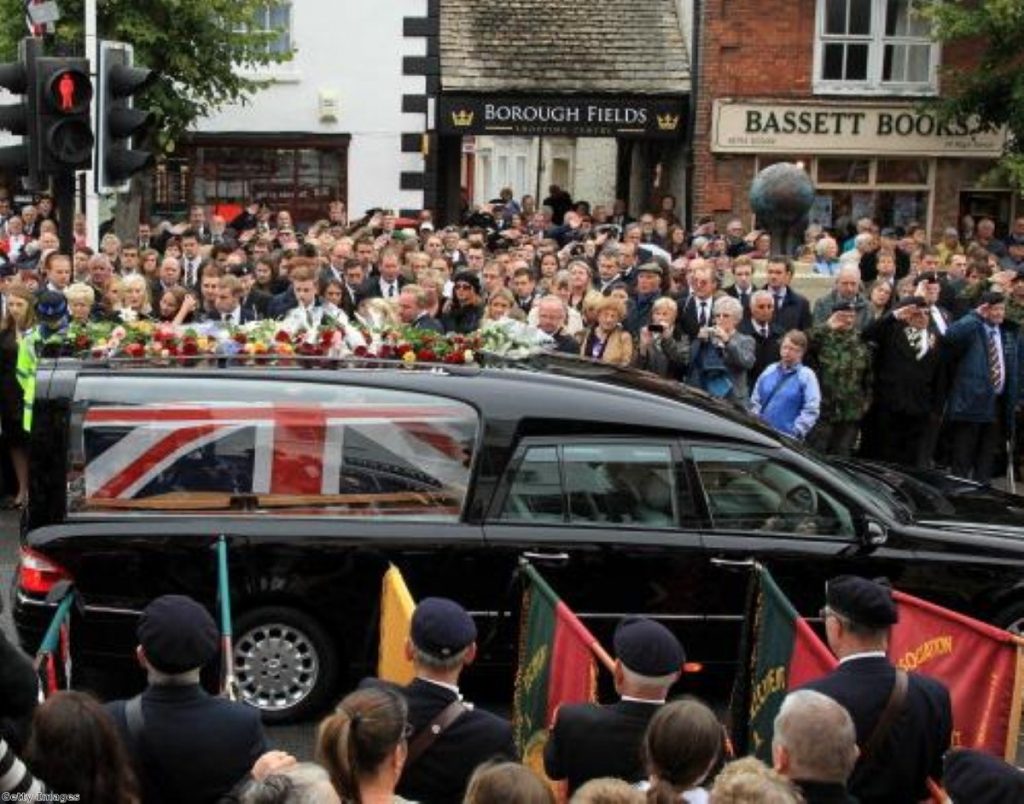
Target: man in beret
column 986, row 386
column 900, row 749
column 842, row 362
column 906, row 362
column 442, row 642
column 186, row 744
column 589, row 741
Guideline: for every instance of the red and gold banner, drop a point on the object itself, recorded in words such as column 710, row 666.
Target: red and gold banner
column 979, row 664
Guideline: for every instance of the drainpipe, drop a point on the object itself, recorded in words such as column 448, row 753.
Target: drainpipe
column 691, row 121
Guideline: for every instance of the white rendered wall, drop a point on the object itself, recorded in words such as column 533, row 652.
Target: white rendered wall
column 353, row 48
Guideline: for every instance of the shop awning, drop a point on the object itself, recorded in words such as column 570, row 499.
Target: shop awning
column 586, row 47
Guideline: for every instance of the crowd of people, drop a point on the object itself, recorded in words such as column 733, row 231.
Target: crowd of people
column 912, row 358
column 867, row 732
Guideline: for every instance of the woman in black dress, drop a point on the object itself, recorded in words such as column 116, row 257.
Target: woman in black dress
column 19, row 320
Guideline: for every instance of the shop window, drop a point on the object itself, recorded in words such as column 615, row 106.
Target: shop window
column 844, row 171
column 893, row 192
column 882, row 46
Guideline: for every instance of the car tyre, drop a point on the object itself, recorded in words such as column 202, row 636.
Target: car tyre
column 286, row 663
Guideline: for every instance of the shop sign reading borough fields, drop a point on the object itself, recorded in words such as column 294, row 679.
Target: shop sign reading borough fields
column 750, row 127
column 635, row 116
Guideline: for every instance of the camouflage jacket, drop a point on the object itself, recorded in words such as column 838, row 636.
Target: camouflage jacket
column 842, row 361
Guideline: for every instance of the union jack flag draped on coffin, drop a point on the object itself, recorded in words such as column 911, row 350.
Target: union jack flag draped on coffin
column 368, row 458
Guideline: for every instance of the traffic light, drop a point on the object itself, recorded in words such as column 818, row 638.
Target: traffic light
column 63, row 92
column 18, row 78
column 117, row 120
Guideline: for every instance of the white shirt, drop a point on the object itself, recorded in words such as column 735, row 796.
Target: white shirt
column 938, row 320
column 234, row 318
column 868, row 654
column 444, row 685
column 385, row 288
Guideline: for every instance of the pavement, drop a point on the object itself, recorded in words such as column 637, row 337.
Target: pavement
column 298, row 739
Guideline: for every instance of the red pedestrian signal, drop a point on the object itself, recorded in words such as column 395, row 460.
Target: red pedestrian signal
column 64, row 92
column 70, row 92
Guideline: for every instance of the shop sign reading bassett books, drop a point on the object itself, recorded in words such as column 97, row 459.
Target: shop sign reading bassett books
column 629, row 116
column 750, row 127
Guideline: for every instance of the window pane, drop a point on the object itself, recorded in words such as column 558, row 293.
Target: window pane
column 918, row 64
column 902, row 20
column 856, row 62
column 832, row 67
column 145, row 445
column 843, row 171
column 620, row 483
column 746, row 491
column 892, row 63
column 860, row 17
column 900, row 209
column 902, row 171
column 535, row 494
column 835, row 16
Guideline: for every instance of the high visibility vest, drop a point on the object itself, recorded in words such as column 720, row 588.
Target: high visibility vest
column 28, row 361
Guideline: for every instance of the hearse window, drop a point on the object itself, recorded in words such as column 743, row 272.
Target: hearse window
column 622, row 483
column 197, row 445
column 749, row 491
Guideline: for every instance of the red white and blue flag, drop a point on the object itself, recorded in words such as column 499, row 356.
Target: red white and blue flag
column 132, row 453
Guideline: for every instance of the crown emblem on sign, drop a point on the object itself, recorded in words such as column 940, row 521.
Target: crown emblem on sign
column 462, row 118
column 668, row 122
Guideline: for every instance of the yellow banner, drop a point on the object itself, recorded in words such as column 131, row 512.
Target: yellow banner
column 396, row 607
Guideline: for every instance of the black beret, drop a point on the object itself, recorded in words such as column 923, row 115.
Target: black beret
column 992, row 297
column 978, row 778
column 910, row 301
column 467, row 276
column 930, row 277
column 7, row 269
column 441, row 627
column 863, row 601
column 648, row 648
column 844, row 306
column 177, row 634
column 240, row 269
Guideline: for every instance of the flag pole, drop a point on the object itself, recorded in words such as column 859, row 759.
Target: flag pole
column 1013, row 730
column 230, row 682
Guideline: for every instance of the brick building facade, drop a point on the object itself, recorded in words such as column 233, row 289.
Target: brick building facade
column 839, row 86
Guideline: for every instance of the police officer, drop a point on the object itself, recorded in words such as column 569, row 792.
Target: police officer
column 449, row 737
column 589, row 741
column 904, row 721
column 187, row 745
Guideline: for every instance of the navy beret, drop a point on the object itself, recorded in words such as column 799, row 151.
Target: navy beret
column 863, row 601
column 441, row 627
column 930, row 277
column 978, row 778
column 992, row 297
column 910, row 301
column 845, row 306
column 647, row 647
column 177, row 634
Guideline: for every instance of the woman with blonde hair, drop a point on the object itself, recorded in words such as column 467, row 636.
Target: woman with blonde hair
column 363, row 745
column 581, row 283
column 136, row 305
column 501, row 306
column 81, row 297
column 18, row 322
column 607, row 341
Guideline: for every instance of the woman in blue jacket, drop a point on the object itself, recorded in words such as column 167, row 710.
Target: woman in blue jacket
column 786, row 396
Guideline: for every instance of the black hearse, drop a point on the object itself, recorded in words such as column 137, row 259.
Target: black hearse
column 628, row 493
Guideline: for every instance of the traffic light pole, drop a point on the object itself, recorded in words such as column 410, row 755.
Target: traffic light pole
column 64, row 198
column 92, row 199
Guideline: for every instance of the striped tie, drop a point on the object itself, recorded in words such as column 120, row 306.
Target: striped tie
column 995, row 368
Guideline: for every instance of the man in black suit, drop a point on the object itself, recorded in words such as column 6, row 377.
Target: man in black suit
column 589, row 741
column 442, row 642
column 228, row 308
column 899, row 750
column 767, row 335
column 907, row 358
column 696, row 309
column 186, row 744
column 412, row 309
column 792, row 311
column 388, row 280
column 742, row 286
column 253, row 299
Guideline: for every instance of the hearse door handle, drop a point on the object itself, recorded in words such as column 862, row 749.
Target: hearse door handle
column 547, row 558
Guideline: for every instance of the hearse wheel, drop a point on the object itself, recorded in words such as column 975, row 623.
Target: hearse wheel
column 287, row 665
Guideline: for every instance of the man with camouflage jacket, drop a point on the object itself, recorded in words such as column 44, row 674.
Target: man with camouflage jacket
column 842, row 361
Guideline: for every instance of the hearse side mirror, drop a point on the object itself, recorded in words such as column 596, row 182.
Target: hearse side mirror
column 875, row 533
